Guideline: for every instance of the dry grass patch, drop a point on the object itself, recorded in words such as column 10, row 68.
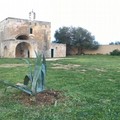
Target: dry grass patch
column 12, row 65
column 100, row 70
column 65, row 67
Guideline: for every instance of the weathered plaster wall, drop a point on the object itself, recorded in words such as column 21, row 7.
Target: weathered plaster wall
column 11, row 28
column 103, row 49
column 9, row 48
column 59, row 50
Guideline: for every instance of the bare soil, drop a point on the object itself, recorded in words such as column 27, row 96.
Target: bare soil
column 47, row 97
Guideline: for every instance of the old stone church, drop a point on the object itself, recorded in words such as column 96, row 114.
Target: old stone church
column 22, row 37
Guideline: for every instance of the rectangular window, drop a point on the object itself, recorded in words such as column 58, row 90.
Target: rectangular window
column 31, row 30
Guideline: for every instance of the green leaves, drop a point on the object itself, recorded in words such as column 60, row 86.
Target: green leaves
column 76, row 37
column 34, row 80
column 38, row 75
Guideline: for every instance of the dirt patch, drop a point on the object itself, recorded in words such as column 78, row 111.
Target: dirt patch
column 47, row 97
column 12, row 65
column 54, row 59
column 100, row 70
column 66, row 67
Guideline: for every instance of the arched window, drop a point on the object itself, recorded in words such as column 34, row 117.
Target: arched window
column 22, row 37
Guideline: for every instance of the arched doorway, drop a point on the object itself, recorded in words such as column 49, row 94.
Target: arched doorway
column 23, row 50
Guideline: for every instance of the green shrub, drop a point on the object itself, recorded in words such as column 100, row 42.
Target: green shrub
column 115, row 52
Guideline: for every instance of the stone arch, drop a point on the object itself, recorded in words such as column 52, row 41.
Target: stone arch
column 23, row 50
column 22, row 37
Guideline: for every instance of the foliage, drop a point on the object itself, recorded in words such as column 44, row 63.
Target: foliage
column 34, row 80
column 115, row 52
column 91, row 86
column 115, row 43
column 111, row 43
column 82, row 39
column 79, row 38
column 63, row 35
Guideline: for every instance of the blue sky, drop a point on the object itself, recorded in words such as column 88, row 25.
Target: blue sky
column 100, row 17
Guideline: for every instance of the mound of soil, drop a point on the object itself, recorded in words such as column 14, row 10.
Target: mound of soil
column 47, row 97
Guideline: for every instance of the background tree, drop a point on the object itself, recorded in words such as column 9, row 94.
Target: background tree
column 63, row 35
column 82, row 39
column 76, row 37
column 115, row 43
column 112, row 43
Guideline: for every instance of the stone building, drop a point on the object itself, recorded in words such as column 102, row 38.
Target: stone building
column 22, row 37
column 57, row 50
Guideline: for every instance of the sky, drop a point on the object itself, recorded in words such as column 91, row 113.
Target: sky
column 100, row 17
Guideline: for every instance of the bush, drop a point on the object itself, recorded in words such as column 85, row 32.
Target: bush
column 115, row 52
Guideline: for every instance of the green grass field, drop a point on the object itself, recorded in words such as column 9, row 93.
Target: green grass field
column 90, row 84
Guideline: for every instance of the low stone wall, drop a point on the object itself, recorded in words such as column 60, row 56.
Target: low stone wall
column 103, row 49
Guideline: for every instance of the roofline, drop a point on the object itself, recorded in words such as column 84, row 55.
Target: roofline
column 24, row 19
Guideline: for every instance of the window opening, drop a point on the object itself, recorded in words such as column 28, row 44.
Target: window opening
column 31, row 30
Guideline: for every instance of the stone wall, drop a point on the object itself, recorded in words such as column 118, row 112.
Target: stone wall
column 15, row 30
column 57, row 50
column 9, row 48
column 13, row 27
column 103, row 49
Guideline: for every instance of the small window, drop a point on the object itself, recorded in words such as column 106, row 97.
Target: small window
column 31, row 30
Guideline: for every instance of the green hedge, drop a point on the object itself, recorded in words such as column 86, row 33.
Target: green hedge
column 115, row 52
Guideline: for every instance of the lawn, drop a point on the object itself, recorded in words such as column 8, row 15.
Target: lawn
column 90, row 86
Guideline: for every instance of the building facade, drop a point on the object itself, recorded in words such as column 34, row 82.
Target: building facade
column 22, row 37
column 57, row 50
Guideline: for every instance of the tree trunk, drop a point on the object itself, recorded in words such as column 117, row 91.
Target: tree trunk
column 80, row 50
column 68, row 50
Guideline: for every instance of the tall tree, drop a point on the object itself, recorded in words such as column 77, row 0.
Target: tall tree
column 82, row 39
column 63, row 35
column 77, row 37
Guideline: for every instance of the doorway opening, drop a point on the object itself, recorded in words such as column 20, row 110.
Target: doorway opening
column 23, row 50
column 52, row 53
column 5, row 51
